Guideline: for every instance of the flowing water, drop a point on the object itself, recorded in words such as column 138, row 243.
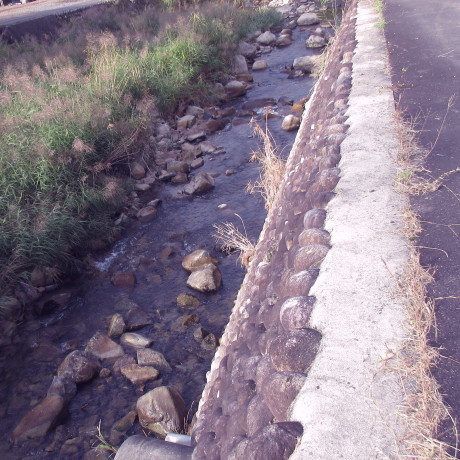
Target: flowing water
column 153, row 250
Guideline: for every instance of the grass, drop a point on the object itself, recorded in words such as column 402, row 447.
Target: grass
column 76, row 111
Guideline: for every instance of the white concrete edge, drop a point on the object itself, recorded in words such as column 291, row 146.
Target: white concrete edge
column 350, row 404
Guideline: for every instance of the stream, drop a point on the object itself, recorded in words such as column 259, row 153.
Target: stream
column 154, row 251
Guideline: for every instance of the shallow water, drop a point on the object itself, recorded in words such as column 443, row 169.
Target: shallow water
column 183, row 224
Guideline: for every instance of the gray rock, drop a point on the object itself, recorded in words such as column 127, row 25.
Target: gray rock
column 207, row 147
column 117, row 325
column 146, row 214
column 246, row 49
column 258, row 415
column 197, row 259
column 187, row 301
column 235, row 89
column 148, row 357
column 266, row 39
column 314, row 218
column 295, row 312
column 137, row 170
column 283, row 40
column 314, row 236
column 196, row 136
column 103, row 347
column 294, row 351
column 41, row 419
column 187, row 121
column 139, row 447
column 290, row 122
column 177, row 166
column 139, row 374
column 194, row 110
column 79, row 366
column 205, row 279
column 162, row 411
column 135, row 340
column 304, row 63
column 201, row 183
column 136, row 318
column 315, row 41
column 197, row 163
column 310, row 256
column 307, row 19
column 239, row 64
column 261, row 64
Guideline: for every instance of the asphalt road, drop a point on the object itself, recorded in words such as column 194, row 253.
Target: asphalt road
column 14, row 14
column 424, row 45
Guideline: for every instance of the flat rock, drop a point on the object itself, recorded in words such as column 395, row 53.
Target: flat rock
column 196, row 136
column 63, row 386
column 148, row 357
column 101, row 346
column 79, row 366
column 200, row 183
column 207, row 278
column 139, row 374
column 162, row 411
column 135, row 340
column 41, row 419
column 259, row 103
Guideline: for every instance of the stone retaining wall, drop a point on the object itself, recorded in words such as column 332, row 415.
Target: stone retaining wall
column 268, row 348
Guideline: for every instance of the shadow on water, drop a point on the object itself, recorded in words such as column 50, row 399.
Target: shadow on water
column 154, row 251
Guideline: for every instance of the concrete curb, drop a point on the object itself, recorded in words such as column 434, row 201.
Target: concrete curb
column 349, row 405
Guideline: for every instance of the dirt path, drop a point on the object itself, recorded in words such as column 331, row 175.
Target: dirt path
column 424, row 45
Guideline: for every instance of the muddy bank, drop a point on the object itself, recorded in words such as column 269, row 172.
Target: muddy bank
column 147, row 298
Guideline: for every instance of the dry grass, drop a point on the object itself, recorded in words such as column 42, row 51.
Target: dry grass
column 272, row 167
column 231, row 239
column 425, row 408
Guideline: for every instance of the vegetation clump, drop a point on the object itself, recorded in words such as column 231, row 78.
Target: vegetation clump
column 76, row 110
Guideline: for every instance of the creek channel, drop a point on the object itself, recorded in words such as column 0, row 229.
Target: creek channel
column 154, row 251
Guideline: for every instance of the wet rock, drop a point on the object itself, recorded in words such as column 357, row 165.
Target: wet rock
column 199, row 333
column 137, row 170
column 119, row 429
column 314, row 218
column 103, row 347
column 117, row 326
column 41, row 419
column 307, row 19
column 239, row 64
column 295, row 312
column 207, row 278
column 197, row 163
column 135, row 340
column 124, row 279
column 187, row 121
column 178, row 166
column 201, row 183
column 196, row 136
column 235, row 89
column 304, row 63
column 315, row 41
column 290, row 122
column 184, row 321
column 294, row 351
column 50, row 302
column 310, row 256
column 124, row 304
column 136, row 318
column 139, row 374
column 187, row 301
column 284, row 40
column 123, row 361
column 259, row 103
column 70, row 447
column 314, row 236
column 207, row 147
column 146, row 214
column 197, row 259
column 261, row 64
column 246, row 49
column 277, row 440
column 279, row 390
column 79, row 366
column 211, row 126
column 148, row 357
column 63, row 386
column 105, row 373
column 228, row 172
column 162, row 411
column 266, row 39
column 179, row 178
column 194, row 110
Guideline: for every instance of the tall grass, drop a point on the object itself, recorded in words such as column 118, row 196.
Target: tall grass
column 74, row 110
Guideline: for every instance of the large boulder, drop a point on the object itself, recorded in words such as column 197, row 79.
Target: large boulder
column 41, row 419
column 266, row 39
column 307, row 19
column 235, row 89
column 197, row 259
column 79, row 366
column 239, row 64
column 290, row 122
column 246, row 49
column 207, row 278
column 201, row 183
column 304, row 63
column 162, row 411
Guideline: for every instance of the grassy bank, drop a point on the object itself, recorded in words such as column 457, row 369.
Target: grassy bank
column 74, row 111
